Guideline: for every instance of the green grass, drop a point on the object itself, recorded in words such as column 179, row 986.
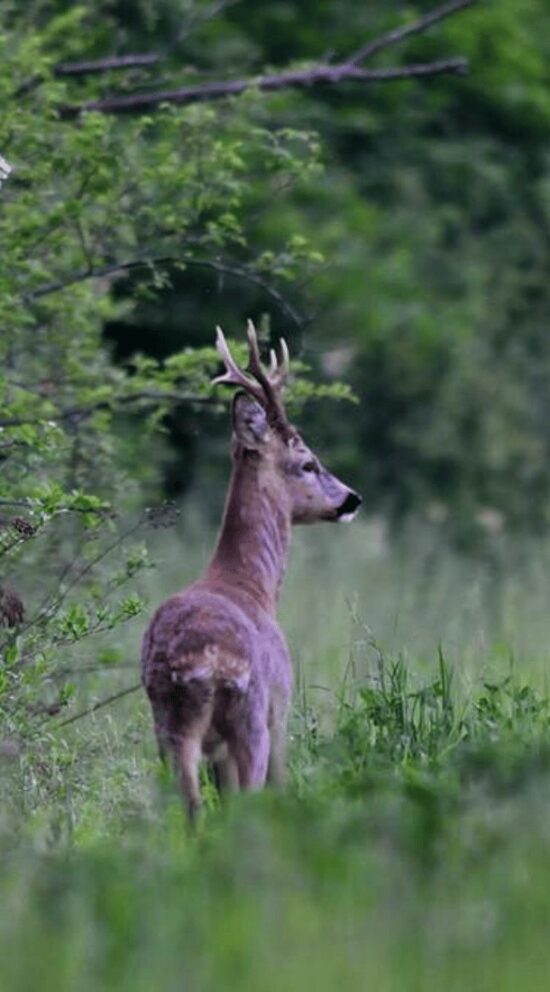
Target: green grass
column 410, row 850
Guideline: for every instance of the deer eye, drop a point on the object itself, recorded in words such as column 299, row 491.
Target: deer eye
column 309, row 467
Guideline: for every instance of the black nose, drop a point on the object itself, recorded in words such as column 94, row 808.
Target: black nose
column 350, row 504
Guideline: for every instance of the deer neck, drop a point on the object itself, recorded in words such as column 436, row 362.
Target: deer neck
column 252, row 546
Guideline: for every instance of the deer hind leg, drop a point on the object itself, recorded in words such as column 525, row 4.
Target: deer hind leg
column 188, row 749
column 181, row 722
column 187, row 759
column 250, row 753
column 161, row 734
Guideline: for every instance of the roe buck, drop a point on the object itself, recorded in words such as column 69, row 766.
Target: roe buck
column 216, row 666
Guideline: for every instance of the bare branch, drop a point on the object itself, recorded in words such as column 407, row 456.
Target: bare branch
column 417, row 27
column 142, row 60
column 113, row 62
column 147, row 59
column 301, row 78
column 108, row 270
column 249, row 275
column 98, row 706
column 243, row 272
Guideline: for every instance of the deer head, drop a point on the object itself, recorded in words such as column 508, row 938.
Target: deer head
column 263, row 434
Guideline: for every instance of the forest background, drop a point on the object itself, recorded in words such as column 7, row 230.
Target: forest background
column 403, row 227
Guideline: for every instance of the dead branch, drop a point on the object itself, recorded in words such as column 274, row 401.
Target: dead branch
column 98, row 706
column 142, row 60
column 417, row 27
column 300, row 78
column 147, row 59
column 345, row 71
column 221, row 266
column 113, row 62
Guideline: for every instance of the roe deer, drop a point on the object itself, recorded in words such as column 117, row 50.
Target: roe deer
column 216, row 666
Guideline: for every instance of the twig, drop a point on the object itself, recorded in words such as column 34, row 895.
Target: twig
column 98, row 706
column 101, row 555
column 141, row 60
column 417, row 27
column 107, row 270
column 249, row 275
column 96, row 66
column 302, row 78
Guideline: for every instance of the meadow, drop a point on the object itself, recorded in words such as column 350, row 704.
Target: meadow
column 411, row 847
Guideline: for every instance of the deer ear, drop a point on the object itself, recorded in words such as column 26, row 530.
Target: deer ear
column 249, row 421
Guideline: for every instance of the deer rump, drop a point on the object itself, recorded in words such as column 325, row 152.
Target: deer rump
column 193, row 676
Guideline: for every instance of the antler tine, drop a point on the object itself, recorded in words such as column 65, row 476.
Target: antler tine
column 255, row 362
column 233, row 375
column 278, row 372
column 267, row 379
column 280, row 369
column 271, row 383
column 285, row 356
column 264, row 385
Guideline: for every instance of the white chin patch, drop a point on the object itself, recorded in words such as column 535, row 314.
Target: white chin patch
column 346, row 518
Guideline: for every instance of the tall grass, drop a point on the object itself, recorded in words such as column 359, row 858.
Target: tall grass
column 410, row 850
column 489, row 611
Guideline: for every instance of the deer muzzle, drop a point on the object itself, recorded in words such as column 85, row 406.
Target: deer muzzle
column 347, row 510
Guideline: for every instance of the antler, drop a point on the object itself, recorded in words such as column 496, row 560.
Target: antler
column 233, row 375
column 265, row 386
column 278, row 374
